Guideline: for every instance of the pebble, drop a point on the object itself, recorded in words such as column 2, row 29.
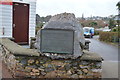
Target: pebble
column 43, row 73
column 49, row 66
column 42, row 62
column 69, row 72
column 67, row 66
column 37, row 62
column 98, row 65
column 84, row 63
column 28, row 69
column 81, row 76
column 79, row 72
column 35, row 70
column 20, row 69
column 37, row 74
column 96, row 70
column 67, row 61
column 85, row 70
column 41, row 69
column 74, row 76
column 32, row 66
column 31, row 61
column 49, row 69
column 81, row 66
column 23, row 61
column 34, row 74
column 74, row 64
column 58, row 66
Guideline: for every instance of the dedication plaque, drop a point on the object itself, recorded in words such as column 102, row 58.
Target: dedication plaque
column 57, row 41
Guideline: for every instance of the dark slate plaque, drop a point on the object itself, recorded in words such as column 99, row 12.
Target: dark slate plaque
column 57, row 41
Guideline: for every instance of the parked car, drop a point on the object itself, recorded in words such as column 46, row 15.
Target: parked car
column 88, row 32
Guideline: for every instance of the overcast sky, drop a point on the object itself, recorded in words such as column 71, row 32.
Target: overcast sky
column 102, row 8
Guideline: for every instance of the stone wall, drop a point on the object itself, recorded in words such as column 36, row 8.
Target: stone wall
column 45, row 67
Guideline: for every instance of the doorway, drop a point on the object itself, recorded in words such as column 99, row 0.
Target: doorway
column 21, row 23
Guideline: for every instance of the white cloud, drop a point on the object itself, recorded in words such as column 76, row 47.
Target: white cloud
column 88, row 7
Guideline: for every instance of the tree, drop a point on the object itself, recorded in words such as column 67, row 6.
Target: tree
column 92, row 24
column 111, row 23
column 37, row 19
column 83, row 24
column 118, row 5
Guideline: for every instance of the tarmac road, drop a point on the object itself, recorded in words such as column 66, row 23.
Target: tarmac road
column 109, row 53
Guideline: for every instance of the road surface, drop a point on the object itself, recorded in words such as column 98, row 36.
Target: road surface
column 107, row 51
column 110, row 55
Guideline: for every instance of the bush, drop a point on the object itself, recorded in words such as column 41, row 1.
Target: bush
column 116, row 29
column 37, row 29
column 97, row 32
column 109, row 36
column 40, row 25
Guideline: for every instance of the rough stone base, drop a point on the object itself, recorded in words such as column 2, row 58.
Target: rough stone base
column 44, row 67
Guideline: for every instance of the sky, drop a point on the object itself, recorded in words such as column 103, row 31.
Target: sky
column 89, row 8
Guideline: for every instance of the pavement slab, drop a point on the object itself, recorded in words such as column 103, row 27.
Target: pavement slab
column 110, row 69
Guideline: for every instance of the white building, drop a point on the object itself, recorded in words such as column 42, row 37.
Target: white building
column 17, row 19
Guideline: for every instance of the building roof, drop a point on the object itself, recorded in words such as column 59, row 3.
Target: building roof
column 117, row 17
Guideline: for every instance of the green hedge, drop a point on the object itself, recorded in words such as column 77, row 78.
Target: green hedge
column 97, row 32
column 109, row 36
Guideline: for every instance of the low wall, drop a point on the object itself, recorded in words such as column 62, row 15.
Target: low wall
column 110, row 37
column 24, row 66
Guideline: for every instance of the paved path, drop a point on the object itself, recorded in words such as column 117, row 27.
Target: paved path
column 110, row 69
column 0, row 70
column 4, row 72
column 110, row 55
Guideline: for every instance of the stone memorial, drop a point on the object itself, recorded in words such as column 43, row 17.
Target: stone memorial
column 62, row 53
column 56, row 36
column 28, row 63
